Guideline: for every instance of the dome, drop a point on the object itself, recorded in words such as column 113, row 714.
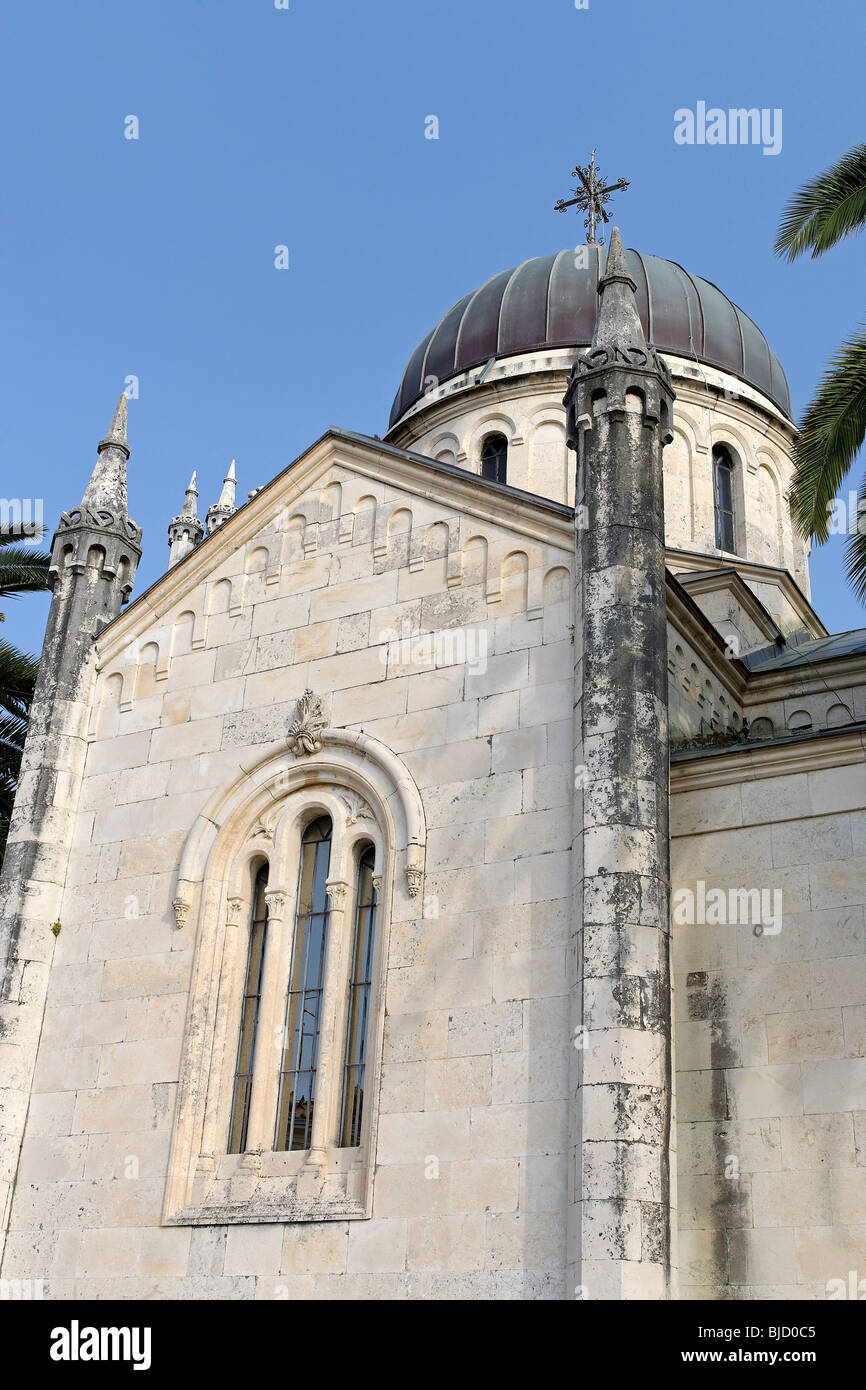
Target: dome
column 548, row 302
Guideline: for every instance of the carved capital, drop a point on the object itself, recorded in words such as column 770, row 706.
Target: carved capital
column 234, row 910
column 303, row 736
column 338, row 892
column 276, row 902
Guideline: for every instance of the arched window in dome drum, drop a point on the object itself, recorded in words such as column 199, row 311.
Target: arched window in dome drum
column 723, row 498
column 494, row 457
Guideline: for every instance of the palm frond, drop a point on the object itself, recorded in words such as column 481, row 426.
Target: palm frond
column 831, row 433
column 13, row 730
column 855, row 551
column 18, row 672
column 22, row 570
column 827, row 208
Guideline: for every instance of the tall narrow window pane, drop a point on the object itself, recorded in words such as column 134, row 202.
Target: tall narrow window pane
column 249, row 1017
column 304, row 1007
column 494, row 457
column 360, row 981
column 723, row 490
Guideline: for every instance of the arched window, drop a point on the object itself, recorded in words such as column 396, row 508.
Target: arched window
column 290, row 904
column 494, row 457
column 360, row 983
column 306, row 982
column 252, row 999
column 723, row 498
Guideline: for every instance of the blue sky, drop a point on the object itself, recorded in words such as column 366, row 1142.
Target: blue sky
column 305, row 127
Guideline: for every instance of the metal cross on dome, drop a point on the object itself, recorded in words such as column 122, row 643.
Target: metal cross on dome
column 591, row 197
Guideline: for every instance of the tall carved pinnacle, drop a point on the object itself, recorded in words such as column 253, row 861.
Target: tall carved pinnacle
column 189, row 505
column 227, row 496
column 185, row 530
column 220, row 512
column 106, row 490
column 618, row 322
column 117, row 428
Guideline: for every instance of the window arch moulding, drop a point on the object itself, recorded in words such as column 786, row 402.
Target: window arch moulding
column 372, row 801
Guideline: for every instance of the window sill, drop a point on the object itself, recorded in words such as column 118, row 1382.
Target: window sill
column 245, row 1189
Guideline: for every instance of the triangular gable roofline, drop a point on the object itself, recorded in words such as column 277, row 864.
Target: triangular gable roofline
column 692, row 623
column 711, row 581
column 694, row 563
column 524, row 513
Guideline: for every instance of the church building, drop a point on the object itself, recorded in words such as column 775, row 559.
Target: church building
column 447, row 880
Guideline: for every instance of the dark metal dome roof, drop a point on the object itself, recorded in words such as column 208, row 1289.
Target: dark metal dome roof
column 547, row 302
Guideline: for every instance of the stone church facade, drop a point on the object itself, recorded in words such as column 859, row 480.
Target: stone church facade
column 447, row 880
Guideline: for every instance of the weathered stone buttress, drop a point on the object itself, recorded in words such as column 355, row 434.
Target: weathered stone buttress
column 618, row 405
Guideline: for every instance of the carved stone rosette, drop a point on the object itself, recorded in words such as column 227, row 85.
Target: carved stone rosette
column 303, row 736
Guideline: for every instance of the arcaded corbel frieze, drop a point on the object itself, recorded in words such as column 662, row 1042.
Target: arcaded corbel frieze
column 311, row 538
column 495, row 555
column 534, row 589
column 380, row 533
column 416, row 548
column 127, row 689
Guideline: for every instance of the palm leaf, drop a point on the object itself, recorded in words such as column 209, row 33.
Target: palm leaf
column 18, row 673
column 22, row 569
column 831, row 433
column 855, row 551
column 13, row 731
column 826, row 209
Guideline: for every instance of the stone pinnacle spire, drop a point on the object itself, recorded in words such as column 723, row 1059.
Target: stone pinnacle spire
column 618, row 321
column 227, row 496
column 220, row 512
column 189, row 507
column 185, row 530
column 106, row 491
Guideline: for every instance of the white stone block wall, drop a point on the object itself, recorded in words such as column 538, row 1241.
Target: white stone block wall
column 770, row 1029
column 476, row 1043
